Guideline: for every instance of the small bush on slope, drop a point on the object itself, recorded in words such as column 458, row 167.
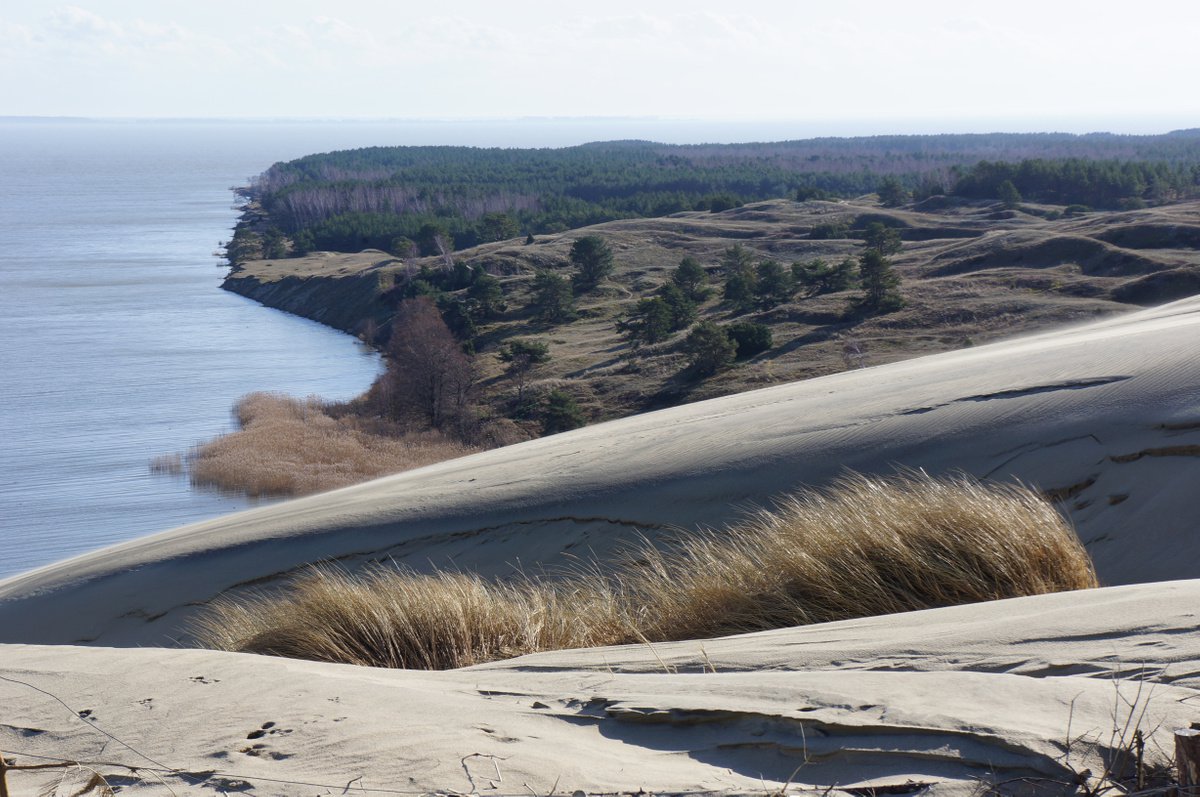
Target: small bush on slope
column 865, row 546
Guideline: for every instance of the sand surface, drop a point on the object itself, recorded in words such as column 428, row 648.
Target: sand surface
column 1024, row 692
column 1028, row 692
column 1106, row 414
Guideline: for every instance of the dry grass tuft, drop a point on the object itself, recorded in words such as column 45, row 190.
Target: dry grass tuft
column 866, row 546
column 286, row 446
column 385, row 618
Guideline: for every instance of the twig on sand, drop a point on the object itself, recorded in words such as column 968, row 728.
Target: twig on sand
column 495, row 763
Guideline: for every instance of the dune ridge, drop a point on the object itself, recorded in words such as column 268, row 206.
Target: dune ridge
column 1023, row 695
column 1101, row 416
column 1020, row 696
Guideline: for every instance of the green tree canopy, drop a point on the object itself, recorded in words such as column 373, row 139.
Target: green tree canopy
column 594, row 259
column 648, row 322
column 497, row 227
column 709, row 348
column 773, row 284
column 1008, row 194
column 522, row 356
column 817, row 277
column 485, row 296
column 750, row 338
column 562, row 413
column 553, row 302
column 883, row 239
column 691, row 278
column 880, row 283
column 891, row 192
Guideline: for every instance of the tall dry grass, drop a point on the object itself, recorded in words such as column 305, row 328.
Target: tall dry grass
column 865, row 546
column 288, row 446
column 386, row 618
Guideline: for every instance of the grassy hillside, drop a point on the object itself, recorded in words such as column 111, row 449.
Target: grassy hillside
column 970, row 272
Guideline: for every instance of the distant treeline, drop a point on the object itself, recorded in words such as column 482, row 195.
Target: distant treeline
column 432, row 199
column 1076, row 181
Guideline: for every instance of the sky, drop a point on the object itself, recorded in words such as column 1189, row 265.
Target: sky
column 999, row 64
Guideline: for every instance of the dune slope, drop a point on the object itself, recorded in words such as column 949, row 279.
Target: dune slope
column 1027, row 693
column 1106, row 417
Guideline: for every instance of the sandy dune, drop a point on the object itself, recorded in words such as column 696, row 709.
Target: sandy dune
column 1018, row 689
column 1027, row 693
column 1106, row 414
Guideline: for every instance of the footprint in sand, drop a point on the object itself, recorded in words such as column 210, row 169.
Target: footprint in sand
column 261, row 750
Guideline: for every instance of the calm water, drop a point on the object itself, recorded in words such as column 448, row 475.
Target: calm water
column 116, row 345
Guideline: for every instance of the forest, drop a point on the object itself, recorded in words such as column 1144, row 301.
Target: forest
column 432, row 200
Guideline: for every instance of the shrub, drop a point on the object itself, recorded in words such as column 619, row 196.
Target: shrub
column 561, row 413
column 1008, row 194
column 740, row 291
column 806, row 192
column 485, row 296
column 709, row 348
column 865, row 546
column 891, row 193
column 749, row 338
column 829, row 230
column 817, row 277
column 681, row 307
column 522, row 357
column 715, row 203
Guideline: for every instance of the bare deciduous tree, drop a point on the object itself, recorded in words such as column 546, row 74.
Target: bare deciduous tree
column 428, row 376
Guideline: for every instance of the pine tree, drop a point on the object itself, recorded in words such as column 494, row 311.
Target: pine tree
column 553, row 302
column 880, row 283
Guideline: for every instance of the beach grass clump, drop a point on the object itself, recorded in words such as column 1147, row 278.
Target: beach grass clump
column 389, row 618
column 289, row 446
column 864, row 546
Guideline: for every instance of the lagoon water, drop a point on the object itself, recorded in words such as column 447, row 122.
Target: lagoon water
column 116, row 343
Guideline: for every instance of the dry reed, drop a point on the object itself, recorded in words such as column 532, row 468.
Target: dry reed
column 865, row 546
column 286, row 446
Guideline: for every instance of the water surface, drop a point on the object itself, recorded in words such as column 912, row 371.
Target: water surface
column 116, row 344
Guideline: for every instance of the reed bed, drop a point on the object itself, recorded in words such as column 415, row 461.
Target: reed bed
column 865, row 546
column 288, row 446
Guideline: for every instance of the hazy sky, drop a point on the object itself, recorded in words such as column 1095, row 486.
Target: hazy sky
column 1132, row 63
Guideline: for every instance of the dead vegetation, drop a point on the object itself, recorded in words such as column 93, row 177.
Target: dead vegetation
column 288, row 446
column 866, row 546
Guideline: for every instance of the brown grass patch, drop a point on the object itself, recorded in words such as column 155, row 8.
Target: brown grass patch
column 866, row 546
column 286, row 446
column 385, row 618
